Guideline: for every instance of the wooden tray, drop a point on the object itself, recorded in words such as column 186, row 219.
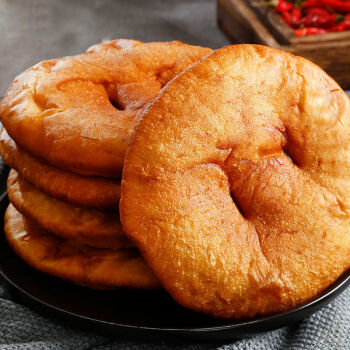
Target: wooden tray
column 243, row 23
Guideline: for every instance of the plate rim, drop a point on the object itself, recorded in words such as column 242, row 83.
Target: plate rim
column 339, row 286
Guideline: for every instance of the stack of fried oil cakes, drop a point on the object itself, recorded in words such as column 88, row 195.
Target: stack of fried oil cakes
column 66, row 127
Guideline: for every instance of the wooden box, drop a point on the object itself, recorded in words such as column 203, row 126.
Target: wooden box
column 244, row 23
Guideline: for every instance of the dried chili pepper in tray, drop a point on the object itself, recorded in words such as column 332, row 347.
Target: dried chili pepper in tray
column 342, row 6
column 309, row 17
column 318, row 17
column 293, row 17
column 283, row 6
column 309, row 31
column 345, row 25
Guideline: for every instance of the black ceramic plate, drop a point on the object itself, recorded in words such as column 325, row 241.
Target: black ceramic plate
column 131, row 313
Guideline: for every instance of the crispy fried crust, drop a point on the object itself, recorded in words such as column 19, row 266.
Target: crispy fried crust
column 92, row 267
column 85, row 226
column 80, row 111
column 245, row 163
column 86, row 191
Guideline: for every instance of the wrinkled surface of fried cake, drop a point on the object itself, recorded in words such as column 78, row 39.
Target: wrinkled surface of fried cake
column 86, row 191
column 245, row 163
column 85, row 226
column 80, row 111
column 87, row 266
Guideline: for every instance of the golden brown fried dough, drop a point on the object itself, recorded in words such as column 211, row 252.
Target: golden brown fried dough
column 80, row 111
column 85, row 191
column 85, row 226
column 92, row 267
column 245, row 163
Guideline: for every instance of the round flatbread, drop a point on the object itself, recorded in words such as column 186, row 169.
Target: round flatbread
column 86, row 191
column 85, row 226
column 245, row 163
column 92, row 267
column 80, row 111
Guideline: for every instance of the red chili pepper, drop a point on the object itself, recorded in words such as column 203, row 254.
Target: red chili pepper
column 283, row 6
column 293, row 17
column 309, row 31
column 318, row 17
column 309, row 17
column 336, row 5
column 345, row 25
column 296, row 13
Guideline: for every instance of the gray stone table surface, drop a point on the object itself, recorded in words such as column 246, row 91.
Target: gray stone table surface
column 34, row 30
